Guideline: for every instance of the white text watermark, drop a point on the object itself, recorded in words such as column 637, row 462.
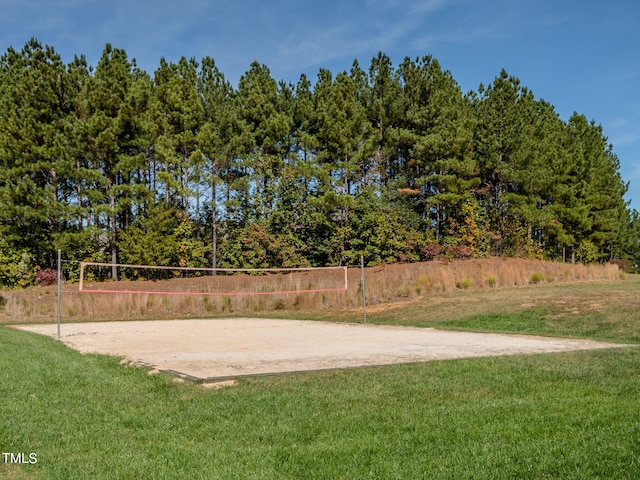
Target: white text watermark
column 20, row 457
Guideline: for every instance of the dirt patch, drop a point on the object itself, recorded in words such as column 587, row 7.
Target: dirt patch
column 208, row 350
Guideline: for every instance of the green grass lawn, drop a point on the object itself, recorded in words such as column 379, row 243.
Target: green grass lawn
column 570, row 415
column 600, row 311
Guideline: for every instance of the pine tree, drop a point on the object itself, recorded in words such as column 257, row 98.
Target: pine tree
column 386, row 108
column 78, row 238
column 114, row 137
column 262, row 108
column 221, row 140
column 504, row 115
column 440, row 123
column 35, row 110
column 343, row 129
column 178, row 115
column 539, row 153
column 602, row 186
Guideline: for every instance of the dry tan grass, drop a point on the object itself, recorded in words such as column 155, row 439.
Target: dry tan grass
column 384, row 285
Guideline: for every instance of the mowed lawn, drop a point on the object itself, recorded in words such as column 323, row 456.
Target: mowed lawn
column 570, row 415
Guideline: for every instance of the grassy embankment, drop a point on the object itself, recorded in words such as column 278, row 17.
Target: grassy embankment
column 385, row 286
column 570, row 415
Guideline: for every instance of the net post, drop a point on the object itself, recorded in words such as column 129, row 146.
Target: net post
column 81, row 279
column 59, row 289
column 364, row 293
column 346, row 278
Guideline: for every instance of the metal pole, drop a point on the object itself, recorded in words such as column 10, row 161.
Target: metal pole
column 59, row 282
column 364, row 293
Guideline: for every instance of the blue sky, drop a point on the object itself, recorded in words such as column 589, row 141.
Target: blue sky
column 579, row 56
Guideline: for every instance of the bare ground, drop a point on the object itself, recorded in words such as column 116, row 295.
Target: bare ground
column 219, row 349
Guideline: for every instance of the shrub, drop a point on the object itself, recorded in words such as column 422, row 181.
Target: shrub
column 537, row 277
column 16, row 267
column 459, row 251
column 623, row 264
column 432, row 250
column 46, row 277
column 587, row 252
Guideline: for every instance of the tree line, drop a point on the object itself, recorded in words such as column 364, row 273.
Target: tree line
column 394, row 163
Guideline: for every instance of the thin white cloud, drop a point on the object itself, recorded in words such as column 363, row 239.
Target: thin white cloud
column 622, row 133
column 462, row 35
column 361, row 29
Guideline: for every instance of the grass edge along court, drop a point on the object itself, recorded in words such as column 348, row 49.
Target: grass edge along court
column 567, row 415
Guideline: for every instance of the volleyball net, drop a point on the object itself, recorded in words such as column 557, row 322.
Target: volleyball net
column 96, row 277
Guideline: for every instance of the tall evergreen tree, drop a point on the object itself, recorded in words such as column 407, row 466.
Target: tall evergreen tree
column 263, row 110
column 80, row 235
column 386, row 109
column 502, row 117
column 115, row 140
column 342, row 131
column 178, row 115
column 221, row 139
column 35, row 110
column 440, row 124
column 542, row 153
column 599, row 186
